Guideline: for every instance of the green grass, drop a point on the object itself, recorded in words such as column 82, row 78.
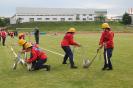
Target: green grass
column 80, row 26
column 61, row 76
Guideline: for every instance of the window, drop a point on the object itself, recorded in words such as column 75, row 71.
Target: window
column 19, row 20
column 47, row 18
column 39, row 18
column 84, row 14
column 90, row 19
column 90, row 14
column 84, row 19
column 70, row 19
column 62, row 19
column 78, row 17
column 31, row 19
column 54, row 18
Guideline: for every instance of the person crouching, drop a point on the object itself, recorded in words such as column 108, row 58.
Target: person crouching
column 37, row 57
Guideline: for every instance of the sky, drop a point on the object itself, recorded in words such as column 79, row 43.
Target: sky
column 114, row 7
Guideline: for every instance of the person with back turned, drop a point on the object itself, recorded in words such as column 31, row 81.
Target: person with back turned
column 36, row 34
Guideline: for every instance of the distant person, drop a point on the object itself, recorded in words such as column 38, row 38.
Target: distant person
column 3, row 35
column 21, row 36
column 65, row 44
column 107, row 42
column 15, row 33
column 0, row 35
column 12, row 34
column 36, row 34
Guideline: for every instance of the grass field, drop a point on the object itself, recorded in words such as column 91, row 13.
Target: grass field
column 61, row 76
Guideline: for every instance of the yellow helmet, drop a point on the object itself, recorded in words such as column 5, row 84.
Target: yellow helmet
column 27, row 45
column 105, row 25
column 21, row 42
column 20, row 34
column 72, row 30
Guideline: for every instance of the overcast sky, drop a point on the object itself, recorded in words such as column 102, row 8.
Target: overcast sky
column 114, row 7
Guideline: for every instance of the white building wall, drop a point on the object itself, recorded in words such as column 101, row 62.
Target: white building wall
column 44, row 18
column 56, row 18
column 47, row 15
column 13, row 20
column 132, row 17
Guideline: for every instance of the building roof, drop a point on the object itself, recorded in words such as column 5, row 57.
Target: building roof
column 57, row 11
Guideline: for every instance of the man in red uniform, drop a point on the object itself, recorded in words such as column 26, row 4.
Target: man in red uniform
column 21, row 36
column 65, row 44
column 3, row 35
column 107, row 42
column 12, row 34
column 37, row 58
column 0, row 35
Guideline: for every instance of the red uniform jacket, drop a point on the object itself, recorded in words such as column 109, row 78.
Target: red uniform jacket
column 11, row 33
column 107, row 37
column 37, row 54
column 3, row 34
column 22, row 37
column 68, row 40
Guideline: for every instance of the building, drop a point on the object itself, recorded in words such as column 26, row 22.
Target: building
column 24, row 14
column 132, row 18
column 130, row 12
column 116, row 18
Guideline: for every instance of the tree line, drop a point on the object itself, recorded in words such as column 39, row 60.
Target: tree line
column 4, row 22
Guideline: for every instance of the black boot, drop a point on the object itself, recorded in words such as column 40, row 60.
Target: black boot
column 104, row 68
column 74, row 67
column 48, row 68
column 64, row 62
column 110, row 68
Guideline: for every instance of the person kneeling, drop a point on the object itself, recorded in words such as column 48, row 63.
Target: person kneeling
column 37, row 57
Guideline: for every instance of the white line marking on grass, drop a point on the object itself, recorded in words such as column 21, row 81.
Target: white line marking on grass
column 53, row 52
column 46, row 50
column 13, row 52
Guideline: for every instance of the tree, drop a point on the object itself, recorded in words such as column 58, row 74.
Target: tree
column 7, row 21
column 1, row 22
column 126, row 19
column 4, row 21
column 100, row 18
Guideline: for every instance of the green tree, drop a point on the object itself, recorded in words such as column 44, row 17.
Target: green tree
column 126, row 19
column 1, row 22
column 6, row 21
column 100, row 18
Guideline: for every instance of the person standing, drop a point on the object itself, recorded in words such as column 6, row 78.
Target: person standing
column 12, row 34
column 107, row 42
column 21, row 36
column 15, row 33
column 36, row 34
column 65, row 44
column 3, row 35
column 0, row 35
